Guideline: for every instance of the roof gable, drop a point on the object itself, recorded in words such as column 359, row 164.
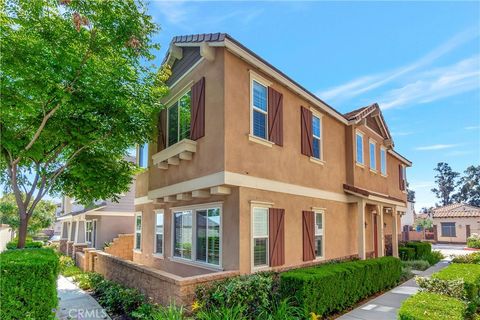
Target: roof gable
column 373, row 119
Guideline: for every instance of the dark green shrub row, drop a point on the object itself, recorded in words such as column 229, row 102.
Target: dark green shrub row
column 29, row 243
column 332, row 288
column 406, row 253
column 469, row 273
column 422, row 249
column 429, row 306
column 28, row 279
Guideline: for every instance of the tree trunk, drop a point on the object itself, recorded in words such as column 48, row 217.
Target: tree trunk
column 22, row 231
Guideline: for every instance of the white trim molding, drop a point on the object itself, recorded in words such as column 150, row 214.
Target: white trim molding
column 141, row 200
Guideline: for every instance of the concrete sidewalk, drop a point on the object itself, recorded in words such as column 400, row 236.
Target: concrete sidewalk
column 74, row 303
column 385, row 307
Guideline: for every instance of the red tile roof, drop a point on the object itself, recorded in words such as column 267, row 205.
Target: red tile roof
column 457, row 210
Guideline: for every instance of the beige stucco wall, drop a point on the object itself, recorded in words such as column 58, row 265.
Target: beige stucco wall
column 460, row 228
column 109, row 227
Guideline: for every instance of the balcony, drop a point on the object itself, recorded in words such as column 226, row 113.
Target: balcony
column 172, row 155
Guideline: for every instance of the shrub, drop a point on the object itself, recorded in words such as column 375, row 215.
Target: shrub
column 29, row 243
column 68, row 267
column 422, row 249
column 231, row 313
column 406, row 253
column 28, row 279
column 406, row 274
column 473, row 258
column 451, row 288
column 434, row 257
column 469, row 273
column 171, row 312
column 334, row 287
column 253, row 291
column 83, row 280
column 473, row 241
column 427, row 306
column 281, row 310
column 416, row 264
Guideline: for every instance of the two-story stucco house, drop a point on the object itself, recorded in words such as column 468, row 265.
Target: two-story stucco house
column 250, row 171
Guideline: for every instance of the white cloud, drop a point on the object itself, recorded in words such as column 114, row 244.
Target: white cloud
column 472, row 128
column 175, row 12
column 367, row 83
column 436, row 147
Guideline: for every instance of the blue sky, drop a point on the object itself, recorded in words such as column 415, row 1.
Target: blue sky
column 419, row 61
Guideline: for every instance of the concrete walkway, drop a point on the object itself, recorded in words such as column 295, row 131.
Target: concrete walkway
column 74, row 303
column 385, row 307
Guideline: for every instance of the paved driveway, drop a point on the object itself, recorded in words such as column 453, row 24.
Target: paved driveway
column 450, row 250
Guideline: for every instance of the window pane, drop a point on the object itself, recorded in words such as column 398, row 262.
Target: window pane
column 318, row 224
column 259, row 124
column 383, row 162
column 316, row 148
column 316, row 126
column 259, row 96
column 318, row 246
column 143, row 155
column 183, row 234
column 159, row 223
column 159, row 233
column 173, row 124
column 138, row 223
column 138, row 241
column 214, row 236
column 202, row 236
column 260, row 251
column 185, row 106
column 359, row 149
column 159, row 243
column 260, row 222
column 373, row 164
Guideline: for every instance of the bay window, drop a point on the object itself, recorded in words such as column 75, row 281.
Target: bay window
column 260, row 237
column 158, row 244
column 259, row 110
column 178, row 119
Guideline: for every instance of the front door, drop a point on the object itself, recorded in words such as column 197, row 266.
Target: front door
column 375, row 235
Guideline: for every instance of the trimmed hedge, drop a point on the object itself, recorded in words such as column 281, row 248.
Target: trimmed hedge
column 28, row 279
column 422, row 249
column 28, row 244
column 334, row 287
column 406, row 253
column 428, row 306
column 469, row 273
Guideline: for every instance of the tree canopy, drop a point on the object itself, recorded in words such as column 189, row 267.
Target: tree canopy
column 78, row 90
column 448, row 181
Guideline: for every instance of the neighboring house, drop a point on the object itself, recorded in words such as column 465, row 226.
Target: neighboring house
column 456, row 222
column 408, row 219
column 95, row 225
column 250, row 171
column 6, row 235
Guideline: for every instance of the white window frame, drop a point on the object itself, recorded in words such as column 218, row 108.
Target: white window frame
column 320, row 139
column 373, row 143
column 383, row 149
column 139, row 147
column 262, row 81
column 176, row 99
column 322, row 213
column 155, row 253
column 359, row 133
column 138, row 214
column 267, row 265
column 88, row 232
column 193, row 261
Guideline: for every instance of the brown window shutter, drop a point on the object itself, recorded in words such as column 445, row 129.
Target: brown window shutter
column 197, row 112
column 400, row 177
column 162, row 130
column 276, row 236
column 308, row 221
column 275, row 116
column 306, row 135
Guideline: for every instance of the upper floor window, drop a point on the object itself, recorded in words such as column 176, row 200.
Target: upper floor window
column 317, row 137
column 373, row 155
column 383, row 161
column 259, row 110
column 260, row 237
column 359, row 148
column 403, row 177
column 138, row 231
column 158, row 233
column 143, row 155
column 178, row 119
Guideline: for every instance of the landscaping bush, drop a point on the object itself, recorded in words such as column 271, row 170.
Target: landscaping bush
column 406, row 253
column 434, row 257
column 332, row 288
column 68, row 267
column 422, row 249
column 473, row 258
column 428, row 306
column 29, row 243
column 451, row 288
column 416, row 264
column 28, row 279
column 255, row 292
column 473, row 241
column 406, row 274
column 469, row 273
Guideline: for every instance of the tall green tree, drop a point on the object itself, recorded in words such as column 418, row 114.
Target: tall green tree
column 43, row 216
column 77, row 90
column 469, row 187
column 446, row 181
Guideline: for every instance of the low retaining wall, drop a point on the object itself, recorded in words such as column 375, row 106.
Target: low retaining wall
column 163, row 287
column 122, row 246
